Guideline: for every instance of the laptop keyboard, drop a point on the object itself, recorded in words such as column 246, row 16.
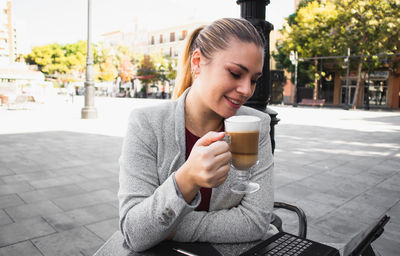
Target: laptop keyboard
column 286, row 245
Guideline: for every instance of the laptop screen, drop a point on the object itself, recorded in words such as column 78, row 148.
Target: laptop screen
column 365, row 235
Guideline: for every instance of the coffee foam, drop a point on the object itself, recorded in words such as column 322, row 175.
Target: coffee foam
column 242, row 124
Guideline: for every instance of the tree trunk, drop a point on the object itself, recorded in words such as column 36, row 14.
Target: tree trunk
column 358, row 86
column 315, row 79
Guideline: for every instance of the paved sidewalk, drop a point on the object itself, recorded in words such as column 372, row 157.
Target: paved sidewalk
column 59, row 174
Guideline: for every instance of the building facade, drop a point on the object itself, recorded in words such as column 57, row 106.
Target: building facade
column 379, row 89
column 167, row 41
column 8, row 34
column 130, row 35
column 170, row 41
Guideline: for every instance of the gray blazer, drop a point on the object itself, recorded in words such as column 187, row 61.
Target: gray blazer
column 149, row 205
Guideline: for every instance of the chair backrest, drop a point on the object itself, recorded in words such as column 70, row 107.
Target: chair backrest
column 300, row 214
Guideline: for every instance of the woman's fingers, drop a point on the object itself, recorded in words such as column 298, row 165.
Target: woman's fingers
column 209, row 160
column 210, row 138
column 221, row 174
column 218, row 147
column 223, row 159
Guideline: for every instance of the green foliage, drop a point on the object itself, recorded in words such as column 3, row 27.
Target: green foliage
column 49, row 58
column 309, row 33
column 329, row 28
column 171, row 70
column 147, row 70
column 68, row 63
column 108, row 72
column 165, row 67
column 367, row 28
column 54, row 59
column 75, row 55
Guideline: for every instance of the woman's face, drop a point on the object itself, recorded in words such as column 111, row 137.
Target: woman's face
column 227, row 80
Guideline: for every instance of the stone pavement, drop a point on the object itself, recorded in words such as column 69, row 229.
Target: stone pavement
column 59, row 174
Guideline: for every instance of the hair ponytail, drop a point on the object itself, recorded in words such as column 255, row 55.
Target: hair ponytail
column 185, row 79
column 212, row 38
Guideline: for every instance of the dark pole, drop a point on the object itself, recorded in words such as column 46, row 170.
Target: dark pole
column 347, row 92
column 89, row 111
column 367, row 86
column 254, row 11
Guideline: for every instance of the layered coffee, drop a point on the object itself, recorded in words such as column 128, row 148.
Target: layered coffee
column 244, row 134
column 244, row 149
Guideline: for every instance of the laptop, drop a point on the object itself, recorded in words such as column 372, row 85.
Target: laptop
column 283, row 244
column 286, row 244
column 362, row 240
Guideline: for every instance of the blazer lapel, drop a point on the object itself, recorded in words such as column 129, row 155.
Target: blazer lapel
column 180, row 140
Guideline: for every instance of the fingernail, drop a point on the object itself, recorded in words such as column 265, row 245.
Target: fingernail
column 226, row 138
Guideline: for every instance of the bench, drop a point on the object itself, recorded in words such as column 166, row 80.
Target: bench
column 312, row 102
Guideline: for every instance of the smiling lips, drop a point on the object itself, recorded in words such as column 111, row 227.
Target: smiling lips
column 234, row 103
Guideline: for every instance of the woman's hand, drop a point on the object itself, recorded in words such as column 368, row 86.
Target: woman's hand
column 207, row 165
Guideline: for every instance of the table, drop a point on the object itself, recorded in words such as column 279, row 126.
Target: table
column 114, row 245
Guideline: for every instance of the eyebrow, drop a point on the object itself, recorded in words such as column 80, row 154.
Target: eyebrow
column 246, row 69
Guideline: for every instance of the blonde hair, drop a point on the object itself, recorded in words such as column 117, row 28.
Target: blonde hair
column 211, row 38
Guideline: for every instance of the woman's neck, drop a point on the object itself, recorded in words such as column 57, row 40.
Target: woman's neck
column 198, row 119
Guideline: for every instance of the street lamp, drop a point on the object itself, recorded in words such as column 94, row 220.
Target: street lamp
column 254, row 11
column 89, row 111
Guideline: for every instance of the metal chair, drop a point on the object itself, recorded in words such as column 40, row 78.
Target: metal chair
column 277, row 221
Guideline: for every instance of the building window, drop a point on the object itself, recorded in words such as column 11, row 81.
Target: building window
column 184, row 34
column 152, row 40
column 376, row 89
column 161, row 39
column 350, row 90
column 172, row 37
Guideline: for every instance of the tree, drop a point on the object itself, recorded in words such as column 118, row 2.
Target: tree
column 49, row 58
column 392, row 30
column 171, row 70
column 147, row 72
column 165, row 67
column 362, row 26
column 309, row 33
column 108, row 72
column 126, row 69
column 75, row 55
column 64, row 62
column 367, row 27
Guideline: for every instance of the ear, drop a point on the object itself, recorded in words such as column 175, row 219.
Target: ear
column 195, row 61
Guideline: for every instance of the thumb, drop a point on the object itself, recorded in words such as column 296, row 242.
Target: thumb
column 210, row 138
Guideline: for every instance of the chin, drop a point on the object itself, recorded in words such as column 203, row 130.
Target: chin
column 227, row 114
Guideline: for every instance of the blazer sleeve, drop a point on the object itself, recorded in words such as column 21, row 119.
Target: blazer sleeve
column 149, row 211
column 250, row 220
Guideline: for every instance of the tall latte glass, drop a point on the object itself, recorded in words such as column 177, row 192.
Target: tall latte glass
column 243, row 132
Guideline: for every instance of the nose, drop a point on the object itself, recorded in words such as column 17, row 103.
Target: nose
column 245, row 88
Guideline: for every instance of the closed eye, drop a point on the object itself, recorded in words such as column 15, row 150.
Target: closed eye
column 236, row 76
column 255, row 80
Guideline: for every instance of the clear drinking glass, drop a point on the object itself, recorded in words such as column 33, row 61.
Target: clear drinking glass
column 244, row 134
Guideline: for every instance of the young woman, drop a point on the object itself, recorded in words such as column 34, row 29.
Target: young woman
column 174, row 167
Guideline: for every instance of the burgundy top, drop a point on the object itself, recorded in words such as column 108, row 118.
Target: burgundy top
column 205, row 192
